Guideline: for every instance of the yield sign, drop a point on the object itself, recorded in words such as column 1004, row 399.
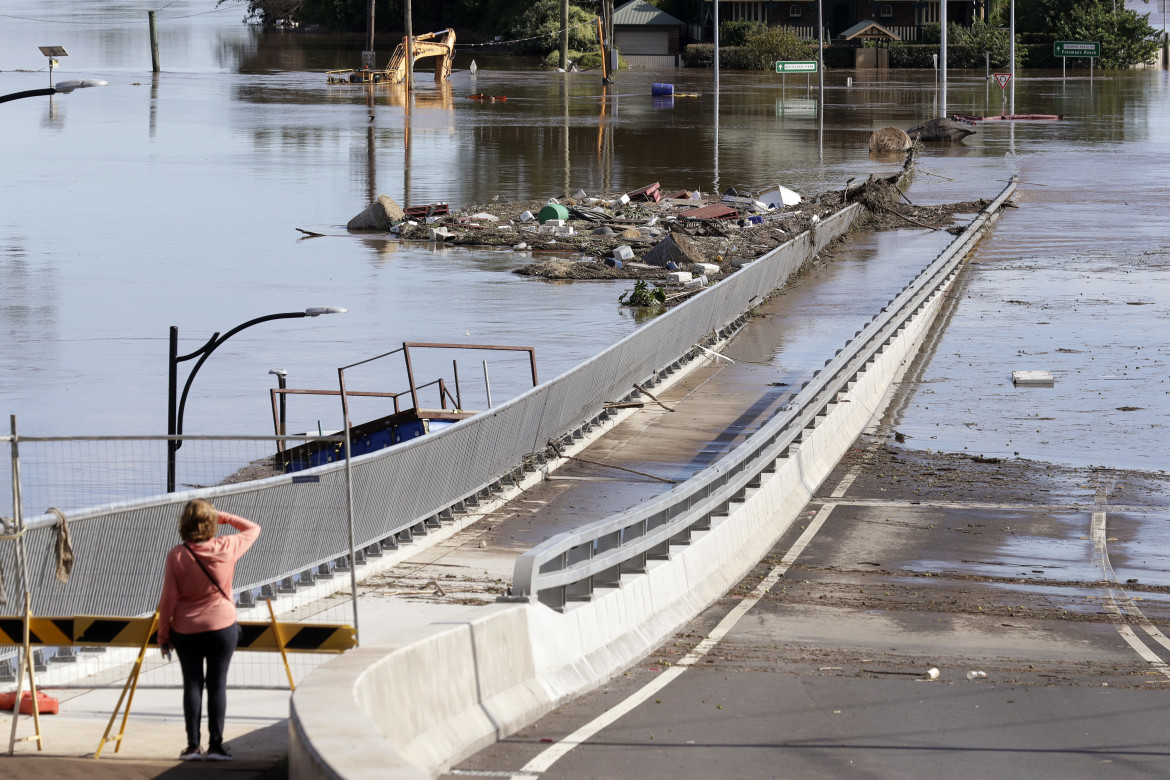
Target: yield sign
column 1003, row 79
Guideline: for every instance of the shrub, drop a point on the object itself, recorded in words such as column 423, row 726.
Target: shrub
column 763, row 47
column 699, row 55
column 736, row 58
column 769, row 44
column 736, row 32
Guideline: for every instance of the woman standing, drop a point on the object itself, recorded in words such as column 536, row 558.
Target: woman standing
column 197, row 616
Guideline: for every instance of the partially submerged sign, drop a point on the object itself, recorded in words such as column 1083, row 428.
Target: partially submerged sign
column 1076, row 49
column 1002, row 79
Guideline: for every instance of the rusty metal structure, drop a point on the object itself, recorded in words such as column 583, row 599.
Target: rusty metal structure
column 402, row 424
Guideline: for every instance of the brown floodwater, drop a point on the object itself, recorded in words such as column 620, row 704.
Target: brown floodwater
column 173, row 199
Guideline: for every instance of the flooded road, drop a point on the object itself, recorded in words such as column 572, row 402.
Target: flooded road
column 173, row 200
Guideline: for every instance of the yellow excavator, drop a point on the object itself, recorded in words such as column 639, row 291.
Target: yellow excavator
column 437, row 44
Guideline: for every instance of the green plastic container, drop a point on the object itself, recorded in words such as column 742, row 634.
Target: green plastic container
column 552, row 211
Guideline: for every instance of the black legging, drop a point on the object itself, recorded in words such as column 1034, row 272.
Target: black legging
column 216, row 648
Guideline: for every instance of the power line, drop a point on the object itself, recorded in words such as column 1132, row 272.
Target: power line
column 557, row 31
column 119, row 23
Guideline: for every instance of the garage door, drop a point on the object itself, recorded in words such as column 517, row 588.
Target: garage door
column 656, row 42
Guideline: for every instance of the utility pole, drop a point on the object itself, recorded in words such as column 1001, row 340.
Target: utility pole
column 409, row 50
column 370, row 25
column 564, row 35
column 942, row 53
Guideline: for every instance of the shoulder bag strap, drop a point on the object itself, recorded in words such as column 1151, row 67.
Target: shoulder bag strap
column 205, row 571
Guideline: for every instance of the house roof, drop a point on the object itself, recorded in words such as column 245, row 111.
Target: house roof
column 641, row 14
column 869, row 29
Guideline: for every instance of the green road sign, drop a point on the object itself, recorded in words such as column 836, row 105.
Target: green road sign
column 802, row 66
column 1076, row 49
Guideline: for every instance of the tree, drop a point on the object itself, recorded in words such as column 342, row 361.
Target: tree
column 1126, row 38
column 269, row 12
column 971, row 43
column 537, row 27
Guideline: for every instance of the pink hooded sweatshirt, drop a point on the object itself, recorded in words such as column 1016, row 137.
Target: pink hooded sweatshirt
column 190, row 603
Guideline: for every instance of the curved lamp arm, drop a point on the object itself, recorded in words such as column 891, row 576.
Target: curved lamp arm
column 175, row 424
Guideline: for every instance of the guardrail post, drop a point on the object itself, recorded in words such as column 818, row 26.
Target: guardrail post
column 612, row 577
column 581, row 590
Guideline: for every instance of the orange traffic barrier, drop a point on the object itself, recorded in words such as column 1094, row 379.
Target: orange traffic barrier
column 46, row 704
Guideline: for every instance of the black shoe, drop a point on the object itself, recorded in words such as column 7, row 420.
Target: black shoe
column 191, row 753
column 218, row 753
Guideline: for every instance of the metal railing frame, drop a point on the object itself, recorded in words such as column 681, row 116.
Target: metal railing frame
column 569, row 566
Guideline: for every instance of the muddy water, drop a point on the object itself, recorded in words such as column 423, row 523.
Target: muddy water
column 173, row 200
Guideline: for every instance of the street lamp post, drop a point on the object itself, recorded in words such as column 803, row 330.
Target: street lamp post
column 175, row 410
column 281, row 383
column 62, row 88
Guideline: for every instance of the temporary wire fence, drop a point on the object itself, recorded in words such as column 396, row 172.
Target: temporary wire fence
column 118, row 565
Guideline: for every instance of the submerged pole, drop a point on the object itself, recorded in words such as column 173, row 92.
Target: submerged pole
column 153, row 41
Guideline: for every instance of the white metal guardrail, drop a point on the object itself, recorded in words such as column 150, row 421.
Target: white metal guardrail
column 571, row 565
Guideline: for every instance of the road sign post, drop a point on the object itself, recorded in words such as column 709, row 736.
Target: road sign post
column 1066, row 49
column 784, row 67
column 1003, row 79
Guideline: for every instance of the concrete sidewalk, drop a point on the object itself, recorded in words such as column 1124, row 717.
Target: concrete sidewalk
column 715, row 406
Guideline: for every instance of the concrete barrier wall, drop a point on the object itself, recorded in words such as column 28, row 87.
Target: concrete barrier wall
column 412, row 708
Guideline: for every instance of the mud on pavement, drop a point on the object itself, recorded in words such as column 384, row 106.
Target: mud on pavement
column 961, row 562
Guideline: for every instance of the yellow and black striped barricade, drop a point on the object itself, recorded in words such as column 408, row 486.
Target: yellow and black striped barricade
column 141, row 633
column 102, row 631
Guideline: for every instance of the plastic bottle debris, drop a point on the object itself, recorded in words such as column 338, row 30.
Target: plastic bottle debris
column 975, row 675
column 932, row 673
column 520, row 247
column 580, row 195
column 552, row 202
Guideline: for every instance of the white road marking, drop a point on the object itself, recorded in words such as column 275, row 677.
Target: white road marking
column 1120, row 603
column 546, row 758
